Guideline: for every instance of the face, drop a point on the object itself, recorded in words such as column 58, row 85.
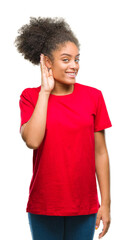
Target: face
column 66, row 63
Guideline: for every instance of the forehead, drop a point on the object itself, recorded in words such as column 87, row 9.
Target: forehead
column 69, row 49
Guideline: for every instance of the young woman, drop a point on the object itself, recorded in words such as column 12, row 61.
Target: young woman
column 63, row 122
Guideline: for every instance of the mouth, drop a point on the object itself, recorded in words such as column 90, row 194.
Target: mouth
column 71, row 74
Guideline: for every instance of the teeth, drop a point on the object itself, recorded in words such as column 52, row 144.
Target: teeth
column 71, row 74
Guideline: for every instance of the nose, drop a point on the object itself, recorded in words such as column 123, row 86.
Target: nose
column 73, row 65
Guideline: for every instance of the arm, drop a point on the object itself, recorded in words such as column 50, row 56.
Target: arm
column 102, row 167
column 103, row 176
column 33, row 131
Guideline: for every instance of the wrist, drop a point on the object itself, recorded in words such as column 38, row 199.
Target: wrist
column 43, row 92
column 106, row 203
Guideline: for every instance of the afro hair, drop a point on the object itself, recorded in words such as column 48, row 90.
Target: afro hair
column 43, row 35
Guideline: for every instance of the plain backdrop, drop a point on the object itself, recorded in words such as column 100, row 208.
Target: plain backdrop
column 103, row 30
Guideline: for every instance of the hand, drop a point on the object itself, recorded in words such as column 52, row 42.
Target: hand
column 104, row 215
column 47, row 80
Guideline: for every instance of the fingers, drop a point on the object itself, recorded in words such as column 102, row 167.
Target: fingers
column 50, row 72
column 98, row 220
column 46, row 74
column 42, row 64
column 47, row 71
column 104, row 230
column 105, row 225
column 44, row 69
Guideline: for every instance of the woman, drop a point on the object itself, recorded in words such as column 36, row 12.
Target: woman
column 63, row 122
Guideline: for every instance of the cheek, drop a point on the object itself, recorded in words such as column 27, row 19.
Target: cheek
column 59, row 70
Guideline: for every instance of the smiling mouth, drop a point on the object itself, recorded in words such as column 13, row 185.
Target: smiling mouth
column 72, row 75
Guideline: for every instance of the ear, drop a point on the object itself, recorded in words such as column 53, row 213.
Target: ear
column 47, row 61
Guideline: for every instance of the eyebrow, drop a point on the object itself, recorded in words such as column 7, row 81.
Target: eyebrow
column 69, row 54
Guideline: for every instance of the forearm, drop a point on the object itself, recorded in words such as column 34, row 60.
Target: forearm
column 103, row 176
column 35, row 128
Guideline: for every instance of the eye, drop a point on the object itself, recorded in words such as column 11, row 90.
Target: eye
column 78, row 60
column 67, row 59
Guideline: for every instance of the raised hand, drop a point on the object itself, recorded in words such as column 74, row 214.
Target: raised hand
column 47, row 80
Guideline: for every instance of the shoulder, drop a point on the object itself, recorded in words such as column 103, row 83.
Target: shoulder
column 30, row 94
column 30, row 91
column 89, row 90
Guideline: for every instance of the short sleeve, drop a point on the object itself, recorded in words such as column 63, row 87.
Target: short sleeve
column 102, row 119
column 26, row 107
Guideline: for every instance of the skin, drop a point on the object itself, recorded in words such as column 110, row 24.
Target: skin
column 102, row 167
column 65, row 85
column 62, row 64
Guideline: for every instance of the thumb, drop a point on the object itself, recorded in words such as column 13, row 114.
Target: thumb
column 98, row 221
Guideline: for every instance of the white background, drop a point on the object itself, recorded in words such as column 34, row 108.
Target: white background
column 103, row 30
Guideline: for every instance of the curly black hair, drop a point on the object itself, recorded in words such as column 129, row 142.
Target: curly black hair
column 43, row 35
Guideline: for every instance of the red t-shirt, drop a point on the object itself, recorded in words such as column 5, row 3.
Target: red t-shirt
column 63, row 181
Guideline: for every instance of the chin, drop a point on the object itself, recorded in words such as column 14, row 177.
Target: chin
column 66, row 80
column 70, row 81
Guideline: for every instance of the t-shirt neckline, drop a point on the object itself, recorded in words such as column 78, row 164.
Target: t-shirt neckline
column 65, row 95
